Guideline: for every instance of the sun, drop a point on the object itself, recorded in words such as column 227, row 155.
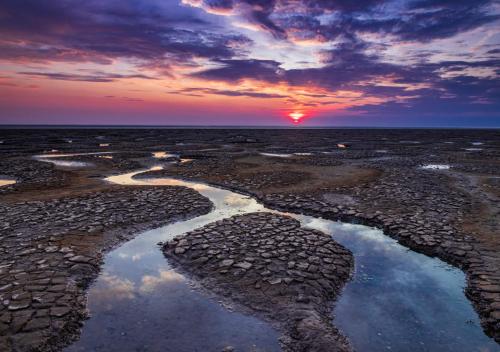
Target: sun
column 296, row 116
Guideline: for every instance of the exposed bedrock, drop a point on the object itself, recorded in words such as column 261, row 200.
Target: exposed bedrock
column 268, row 264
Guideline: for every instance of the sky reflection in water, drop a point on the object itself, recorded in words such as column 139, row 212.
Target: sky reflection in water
column 5, row 181
column 399, row 300
column 139, row 303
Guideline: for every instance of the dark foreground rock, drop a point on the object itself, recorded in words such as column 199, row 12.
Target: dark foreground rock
column 51, row 250
column 270, row 265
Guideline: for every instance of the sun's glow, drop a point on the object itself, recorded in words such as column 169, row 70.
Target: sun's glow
column 296, row 116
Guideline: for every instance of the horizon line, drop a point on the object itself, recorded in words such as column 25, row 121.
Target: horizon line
column 94, row 126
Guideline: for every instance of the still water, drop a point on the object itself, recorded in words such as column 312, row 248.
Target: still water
column 398, row 300
column 6, row 181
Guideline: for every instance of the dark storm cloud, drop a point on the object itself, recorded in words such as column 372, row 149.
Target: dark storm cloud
column 96, row 31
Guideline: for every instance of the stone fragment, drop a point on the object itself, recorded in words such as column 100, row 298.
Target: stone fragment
column 243, row 265
column 59, row 311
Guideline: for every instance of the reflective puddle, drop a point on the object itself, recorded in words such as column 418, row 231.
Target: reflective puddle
column 6, row 181
column 276, row 155
column 55, row 159
column 398, row 300
column 436, row 167
column 163, row 155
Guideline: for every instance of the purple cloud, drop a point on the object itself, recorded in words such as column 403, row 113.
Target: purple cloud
column 94, row 31
column 94, row 77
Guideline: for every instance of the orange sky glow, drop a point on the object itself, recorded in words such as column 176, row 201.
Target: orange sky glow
column 233, row 62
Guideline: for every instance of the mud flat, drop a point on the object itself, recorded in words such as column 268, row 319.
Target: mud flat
column 392, row 300
column 433, row 211
column 451, row 214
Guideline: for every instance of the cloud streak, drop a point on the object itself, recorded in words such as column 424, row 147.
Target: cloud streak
column 96, row 77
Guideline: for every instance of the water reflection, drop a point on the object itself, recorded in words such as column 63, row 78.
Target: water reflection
column 5, row 181
column 401, row 300
column 156, row 308
column 276, row 155
column 112, row 289
column 436, row 167
column 151, row 282
column 163, row 155
column 398, row 300
column 54, row 159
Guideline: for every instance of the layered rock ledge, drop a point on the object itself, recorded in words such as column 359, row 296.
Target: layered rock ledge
column 268, row 264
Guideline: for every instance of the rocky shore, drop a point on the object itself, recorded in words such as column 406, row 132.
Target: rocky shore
column 424, row 210
column 270, row 265
column 56, row 224
column 51, row 250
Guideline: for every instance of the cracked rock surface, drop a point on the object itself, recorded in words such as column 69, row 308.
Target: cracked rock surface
column 268, row 264
column 51, row 250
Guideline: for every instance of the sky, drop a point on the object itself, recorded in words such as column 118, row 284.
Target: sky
column 400, row 63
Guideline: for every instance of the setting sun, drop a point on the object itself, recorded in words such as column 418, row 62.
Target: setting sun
column 296, row 116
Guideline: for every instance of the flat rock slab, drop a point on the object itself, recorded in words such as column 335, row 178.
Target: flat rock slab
column 270, row 265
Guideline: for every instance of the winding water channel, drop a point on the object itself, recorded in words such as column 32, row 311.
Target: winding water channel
column 398, row 300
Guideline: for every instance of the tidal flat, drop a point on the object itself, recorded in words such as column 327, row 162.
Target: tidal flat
column 249, row 240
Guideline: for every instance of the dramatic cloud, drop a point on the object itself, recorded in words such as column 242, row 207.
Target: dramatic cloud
column 326, row 19
column 98, row 31
column 370, row 57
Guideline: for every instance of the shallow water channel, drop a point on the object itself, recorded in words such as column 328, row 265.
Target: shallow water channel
column 55, row 159
column 6, row 181
column 398, row 300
